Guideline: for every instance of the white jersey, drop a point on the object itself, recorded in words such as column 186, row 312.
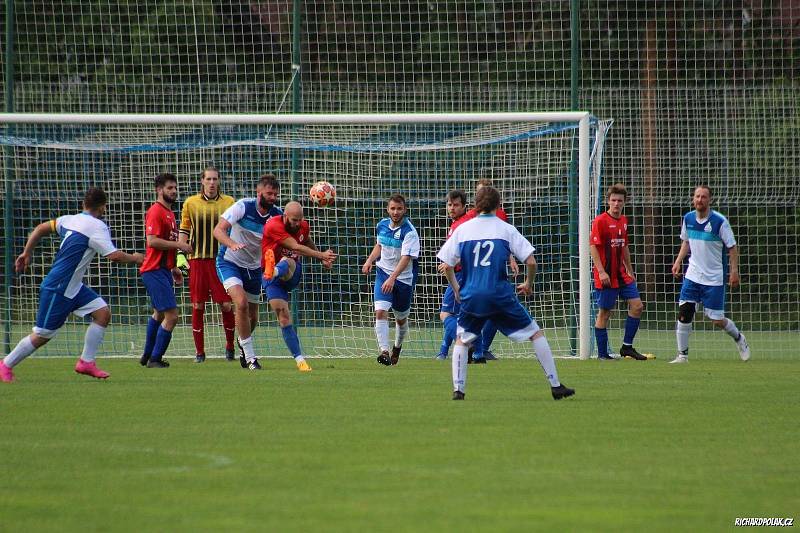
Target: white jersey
column 82, row 237
column 707, row 240
column 396, row 242
column 247, row 227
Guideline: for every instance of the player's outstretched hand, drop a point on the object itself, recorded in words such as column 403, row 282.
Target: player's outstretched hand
column 236, row 246
column 367, row 268
column 441, row 267
column 524, row 288
column 185, row 247
column 605, row 281
column 328, row 256
column 177, row 276
column 138, row 258
column 327, row 264
column 734, row 280
column 22, row 262
column 677, row 270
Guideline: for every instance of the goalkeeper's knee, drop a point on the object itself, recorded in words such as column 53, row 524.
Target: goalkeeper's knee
column 686, row 312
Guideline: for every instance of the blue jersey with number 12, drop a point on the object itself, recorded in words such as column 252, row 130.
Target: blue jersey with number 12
column 482, row 247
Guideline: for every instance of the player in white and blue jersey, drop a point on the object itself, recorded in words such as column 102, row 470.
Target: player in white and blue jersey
column 239, row 232
column 708, row 236
column 396, row 254
column 482, row 247
column 62, row 292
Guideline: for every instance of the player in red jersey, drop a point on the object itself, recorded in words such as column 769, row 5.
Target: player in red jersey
column 285, row 239
column 613, row 274
column 159, row 270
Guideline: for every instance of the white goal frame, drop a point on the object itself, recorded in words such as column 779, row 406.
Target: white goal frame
column 582, row 118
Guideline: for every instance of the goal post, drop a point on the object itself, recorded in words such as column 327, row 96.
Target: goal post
column 367, row 156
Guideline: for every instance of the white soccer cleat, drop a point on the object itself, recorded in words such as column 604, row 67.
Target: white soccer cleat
column 743, row 347
column 680, row 359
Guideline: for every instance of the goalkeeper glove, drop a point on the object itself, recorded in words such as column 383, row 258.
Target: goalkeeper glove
column 183, row 264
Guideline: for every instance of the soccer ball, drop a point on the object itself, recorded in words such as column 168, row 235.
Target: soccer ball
column 322, row 193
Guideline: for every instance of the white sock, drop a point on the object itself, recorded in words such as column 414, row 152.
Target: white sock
column 382, row 333
column 460, row 367
column 400, row 332
column 545, row 357
column 682, row 332
column 24, row 349
column 732, row 330
column 247, row 348
column 92, row 341
column 299, row 359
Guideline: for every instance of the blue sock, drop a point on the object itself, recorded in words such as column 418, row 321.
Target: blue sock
column 631, row 327
column 601, row 336
column 450, row 324
column 150, row 336
column 162, row 343
column 291, row 340
column 283, row 268
column 487, row 336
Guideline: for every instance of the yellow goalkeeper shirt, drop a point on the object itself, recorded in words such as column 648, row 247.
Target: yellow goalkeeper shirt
column 199, row 217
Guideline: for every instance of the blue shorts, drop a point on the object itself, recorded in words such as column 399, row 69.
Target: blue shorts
column 54, row 308
column 160, row 288
column 398, row 300
column 278, row 289
column 449, row 304
column 515, row 323
column 607, row 297
column 711, row 296
column 231, row 274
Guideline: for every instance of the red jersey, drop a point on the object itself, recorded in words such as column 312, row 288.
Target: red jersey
column 159, row 221
column 610, row 236
column 472, row 213
column 275, row 232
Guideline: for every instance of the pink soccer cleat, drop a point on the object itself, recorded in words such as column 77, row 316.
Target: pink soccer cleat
column 90, row 369
column 6, row 375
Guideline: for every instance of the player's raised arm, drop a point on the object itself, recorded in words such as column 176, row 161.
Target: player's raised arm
column 290, row 243
column 40, row 231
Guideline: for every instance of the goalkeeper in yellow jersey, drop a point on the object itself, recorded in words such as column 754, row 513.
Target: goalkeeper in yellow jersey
column 200, row 215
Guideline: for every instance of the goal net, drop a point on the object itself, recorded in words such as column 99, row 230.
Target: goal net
column 541, row 164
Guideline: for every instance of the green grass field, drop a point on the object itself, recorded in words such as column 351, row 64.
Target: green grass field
column 356, row 446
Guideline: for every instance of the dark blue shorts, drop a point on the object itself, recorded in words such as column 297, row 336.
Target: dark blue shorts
column 711, row 296
column 514, row 322
column 607, row 298
column 399, row 300
column 160, row 287
column 279, row 289
column 54, row 308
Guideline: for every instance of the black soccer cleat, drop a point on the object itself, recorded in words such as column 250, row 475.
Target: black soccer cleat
column 200, row 358
column 144, row 359
column 254, row 365
column 229, row 355
column 561, row 392
column 384, row 358
column 606, row 358
column 458, row 395
column 489, row 356
column 396, row 354
column 477, row 361
column 630, row 351
column 157, row 363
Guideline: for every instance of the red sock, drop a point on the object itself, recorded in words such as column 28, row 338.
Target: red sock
column 229, row 323
column 198, row 330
